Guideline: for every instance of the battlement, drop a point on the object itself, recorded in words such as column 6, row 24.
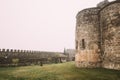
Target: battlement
column 28, row 57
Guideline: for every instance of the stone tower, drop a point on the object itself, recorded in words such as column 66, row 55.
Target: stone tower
column 110, row 38
column 98, row 36
column 87, row 38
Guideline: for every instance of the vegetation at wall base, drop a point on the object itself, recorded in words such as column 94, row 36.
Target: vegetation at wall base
column 62, row 71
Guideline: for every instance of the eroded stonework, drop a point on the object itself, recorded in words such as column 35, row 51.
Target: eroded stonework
column 98, row 36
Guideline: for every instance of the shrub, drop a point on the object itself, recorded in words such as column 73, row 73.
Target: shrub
column 15, row 61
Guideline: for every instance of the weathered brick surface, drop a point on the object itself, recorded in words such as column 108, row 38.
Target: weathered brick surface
column 98, row 36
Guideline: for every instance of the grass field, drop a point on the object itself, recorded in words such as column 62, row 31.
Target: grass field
column 63, row 71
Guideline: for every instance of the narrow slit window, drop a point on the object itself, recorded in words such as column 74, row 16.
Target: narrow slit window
column 83, row 43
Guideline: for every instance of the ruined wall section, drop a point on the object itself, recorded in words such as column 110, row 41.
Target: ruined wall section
column 87, row 38
column 110, row 40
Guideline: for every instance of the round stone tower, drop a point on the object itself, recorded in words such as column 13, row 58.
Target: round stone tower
column 87, row 38
column 110, row 39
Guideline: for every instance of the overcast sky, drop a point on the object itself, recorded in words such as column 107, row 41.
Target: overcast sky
column 44, row 25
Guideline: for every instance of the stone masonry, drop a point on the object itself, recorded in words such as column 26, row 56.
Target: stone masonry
column 98, row 36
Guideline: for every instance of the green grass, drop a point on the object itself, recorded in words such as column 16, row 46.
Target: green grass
column 63, row 71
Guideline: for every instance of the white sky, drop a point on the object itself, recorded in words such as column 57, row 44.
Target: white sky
column 44, row 25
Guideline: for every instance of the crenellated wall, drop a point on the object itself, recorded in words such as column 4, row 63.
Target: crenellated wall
column 28, row 57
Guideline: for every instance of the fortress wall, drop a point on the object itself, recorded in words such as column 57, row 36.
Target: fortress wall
column 27, row 57
column 87, row 28
column 98, row 36
column 87, row 36
column 110, row 29
column 87, row 58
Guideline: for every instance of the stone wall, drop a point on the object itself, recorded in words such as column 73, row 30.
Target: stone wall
column 70, row 53
column 87, row 37
column 87, row 29
column 110, row 29
column 98, row 36
column 8, row 57
column 103, row 4
column 88, row 58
